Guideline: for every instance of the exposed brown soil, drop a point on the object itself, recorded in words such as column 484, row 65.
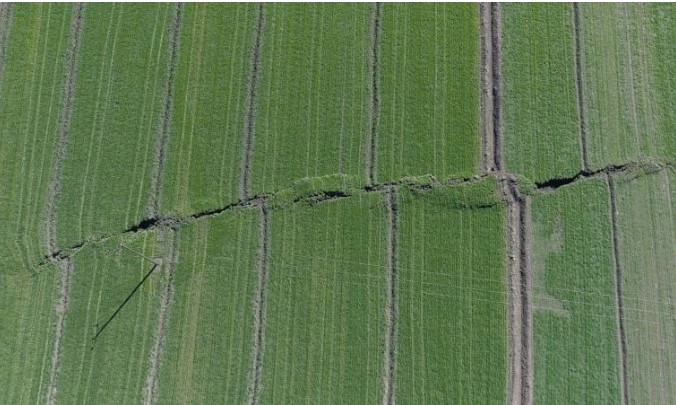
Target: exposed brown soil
column 496, row 62
column 391, row 299
column 621, row 335
column 371, row 146
column 577, row 54
column 251, row 101
column 67, row 97
column 169, row 261
column 259, row 308
column 173, row 33
column 487, row 160
column 526, row 280
column 5, row 27
column 65, row 268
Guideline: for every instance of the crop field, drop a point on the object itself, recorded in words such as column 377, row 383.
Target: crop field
column 337, row 203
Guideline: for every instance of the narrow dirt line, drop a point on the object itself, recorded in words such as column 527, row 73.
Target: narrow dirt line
column 65, row 267
column 67, row 98
column 151, row 387
column 526, row 279
column 173, row 33
column 487, row 159
column 5, row 27
column 251, row 102
column 391, row 299
column 496, row 62
column 619, row 312
column 374, row 61
column 259, row 307
column 579, row 89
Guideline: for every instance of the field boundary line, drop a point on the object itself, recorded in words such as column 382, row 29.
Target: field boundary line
column 164, row 124
column 487, row 158
column 251, row 103
column 579, row 89
column 496, row 63
column 389, row 359
column 151, row 387
column 526, row 279
column 619, row 307
column 258, row 343
column 5, row 29
column 374, row 67
column 67, row 99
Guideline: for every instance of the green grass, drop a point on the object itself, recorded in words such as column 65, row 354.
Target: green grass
column 112, row 369
column 205, row 143
column 451, row 329
column 541, row 130
column 209, row 335
column 628, row 95
column 647, row 237
column 30, row 106
column 312, row 116
column 120, row 79
column 429, row 91
column 26, row 334
column 574, row 317
column 325, row 319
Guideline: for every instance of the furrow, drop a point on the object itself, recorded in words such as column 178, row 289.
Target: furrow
column 577, row 54
column 487, row 159
column 621, row 334
column 163, row 127
column 5, row 28
column 496, row 63
column 67, row 97
column 65, row 268
column 391, row 303
column 151, row 387
column 251, row 101
column 259, row 308
column 526, row 283
column 372, row 138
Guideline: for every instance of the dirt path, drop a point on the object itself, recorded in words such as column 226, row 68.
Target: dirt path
column 5, row 28
column 259, row 308
column 150, row 389
column 579, row 82
column 619, row 313
column 251, row 101
column 391, row 308
column 526, row 285
column 67, row 98
column 496, row 62
column 165, row 115
column 487, row 160
column 374, row 62
column 65, row 268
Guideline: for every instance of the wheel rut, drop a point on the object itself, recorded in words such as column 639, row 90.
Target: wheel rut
column 391, row 298
column 5, row 28
column 579, row 82
column 371, row 146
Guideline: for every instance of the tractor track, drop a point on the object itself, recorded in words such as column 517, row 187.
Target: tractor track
column 496, row 79
column 65, row 268
column 371, row 146
column 579, row 89
column 487, row 159
column 391, row 298
column 5, row 28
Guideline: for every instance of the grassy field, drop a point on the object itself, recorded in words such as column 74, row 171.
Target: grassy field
column 574, row 322
column 325, row 317
column 647, row 239
column 541, row 129
column 205, row 143
column 627, row 52
column 451, row 296
column 209, row 335
column 30, row 93
column 312, row 115
column 429, row 91
column 120, row 78
column 111, row 369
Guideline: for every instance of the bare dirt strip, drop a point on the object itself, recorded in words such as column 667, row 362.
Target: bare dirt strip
column 67, row 97
column 371, row 146
column 65, row 268
column 496, row 62
column 168, row 263
column 389, row 359
column 619, row 312
column 487, row 160
column 579, row 89
column 259, row 307
column 526, row 284
column 5, row 27
column 173, row 34
column 251, row 101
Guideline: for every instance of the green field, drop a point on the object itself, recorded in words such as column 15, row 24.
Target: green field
column 429, row 91
column 451, row 295
column 647, row 239
column 209, row 335
column 541, row 130
column 574, row 321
